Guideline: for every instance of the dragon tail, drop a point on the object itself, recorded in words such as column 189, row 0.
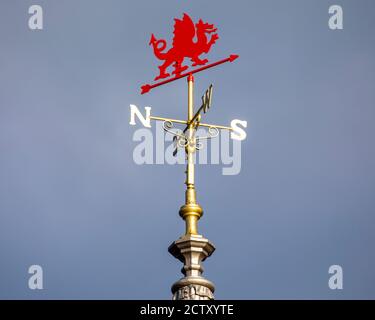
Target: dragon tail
column 158, row 46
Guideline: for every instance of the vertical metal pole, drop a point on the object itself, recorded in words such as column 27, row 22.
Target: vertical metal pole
column 191, row 248
column 190, row 216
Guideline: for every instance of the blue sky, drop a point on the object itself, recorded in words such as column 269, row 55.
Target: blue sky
column 73, row 201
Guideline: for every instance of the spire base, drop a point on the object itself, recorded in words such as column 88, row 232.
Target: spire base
column 192, row 249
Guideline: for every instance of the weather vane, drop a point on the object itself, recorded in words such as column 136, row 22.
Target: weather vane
column 189, row 41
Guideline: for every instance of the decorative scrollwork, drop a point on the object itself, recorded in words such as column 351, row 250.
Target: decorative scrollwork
column 182, row 141
column 198, row 144
column 212, row 133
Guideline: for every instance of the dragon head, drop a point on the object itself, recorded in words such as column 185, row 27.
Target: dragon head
column 205, row 27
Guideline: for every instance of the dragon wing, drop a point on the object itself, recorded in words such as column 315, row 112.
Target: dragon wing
column 184, row 32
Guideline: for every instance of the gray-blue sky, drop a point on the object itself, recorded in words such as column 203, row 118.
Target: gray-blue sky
column 73, row 201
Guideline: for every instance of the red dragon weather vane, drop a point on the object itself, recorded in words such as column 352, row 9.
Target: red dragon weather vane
column 189, row 41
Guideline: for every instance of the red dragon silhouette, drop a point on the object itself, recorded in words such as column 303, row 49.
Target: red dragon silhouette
column 184, row 46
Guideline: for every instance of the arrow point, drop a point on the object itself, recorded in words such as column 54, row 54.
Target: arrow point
column 146, row 88
column 233, row 57
column 152, row 39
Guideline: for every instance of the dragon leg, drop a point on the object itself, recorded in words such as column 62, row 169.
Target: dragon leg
column 197, row 61
column 163, row 74
column 179, row 68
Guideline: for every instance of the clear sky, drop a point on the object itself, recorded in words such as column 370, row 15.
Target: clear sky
column 73, row 201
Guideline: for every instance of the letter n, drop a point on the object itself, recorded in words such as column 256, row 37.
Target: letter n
column 135, row 112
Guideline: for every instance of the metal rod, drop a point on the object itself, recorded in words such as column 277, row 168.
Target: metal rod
column 215, row 126
column 191, row 219
column 168, row 119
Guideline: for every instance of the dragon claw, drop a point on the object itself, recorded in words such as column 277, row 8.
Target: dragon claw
column 179, row 70
column 162, row 76
column 199, row 62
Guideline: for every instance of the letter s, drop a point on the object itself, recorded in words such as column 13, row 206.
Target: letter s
column 238, row 133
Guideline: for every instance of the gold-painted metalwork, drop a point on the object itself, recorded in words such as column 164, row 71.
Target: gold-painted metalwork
column 167, row 119
column 191, row 211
